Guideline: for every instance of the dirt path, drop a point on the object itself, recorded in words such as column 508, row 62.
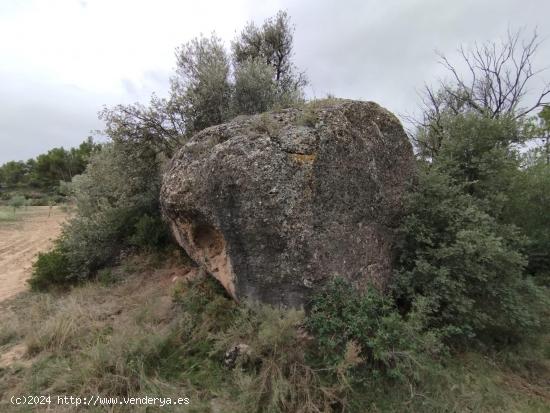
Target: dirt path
column 21, row 241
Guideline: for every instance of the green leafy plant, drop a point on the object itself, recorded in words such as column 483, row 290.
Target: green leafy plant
column 467, row 265
column 50, row 268
column 390, row 345
column 16, row 202
column 150, row 232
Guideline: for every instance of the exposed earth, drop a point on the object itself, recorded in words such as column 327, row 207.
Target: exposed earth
column 21, row 239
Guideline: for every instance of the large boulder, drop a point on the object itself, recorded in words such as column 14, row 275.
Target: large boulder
column 274, row 205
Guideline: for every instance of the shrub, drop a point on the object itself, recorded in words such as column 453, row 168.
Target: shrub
column 271, row 373
column 389, row 344
column 465, row 264
column 16, row 202
column 528, row 209
column 150, row 232
column 93, row 242
column 50, row 268
column 119, row 187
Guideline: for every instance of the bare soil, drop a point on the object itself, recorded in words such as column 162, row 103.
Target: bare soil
column 21, row 240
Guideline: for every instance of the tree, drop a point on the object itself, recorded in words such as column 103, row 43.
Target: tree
column 499, row 75
column 58, row 164
column 527, row 208
column 203, row 79
column 118, row 187
column 466, row 240
column 160, row 126
column 255, row 91
column 272, row 44
column 13, row 173
column 466, row 264
column 204, row 91
column 478, row 153
column 200, row 95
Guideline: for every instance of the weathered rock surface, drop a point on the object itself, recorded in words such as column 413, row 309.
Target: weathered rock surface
column 274, row 205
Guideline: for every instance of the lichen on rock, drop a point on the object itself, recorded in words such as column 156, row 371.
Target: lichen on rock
column 274, row 205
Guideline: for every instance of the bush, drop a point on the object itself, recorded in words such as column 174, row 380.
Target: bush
column 389, row 344
column 528, row 209
column 118, row 188
column 150, row 232
column 466, row 265
column 16, row 201
column 94, row 242
column 50, row 268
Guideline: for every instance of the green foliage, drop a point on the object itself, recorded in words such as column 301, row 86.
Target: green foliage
column 272, row 44
column 112, row 197
column 150, row 232
column 465, row 264
column 462, row 251
column 16, row 202
column 129, row 339
column 271, row 372
column 390, row 344
column 50, row 268
column 255, row 91
column 13, row 172
column 475, row 221
column 202, row 85
column 205, row 91
column 529, row 198
column 477, row 153
column 48, row 169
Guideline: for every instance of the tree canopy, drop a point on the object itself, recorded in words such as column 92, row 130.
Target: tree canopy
column 48, row 169
column 212, row 84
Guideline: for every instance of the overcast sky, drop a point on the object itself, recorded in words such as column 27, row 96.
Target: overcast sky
column 62, row 60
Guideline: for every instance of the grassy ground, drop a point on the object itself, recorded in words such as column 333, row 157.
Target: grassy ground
column 8, row 215
column 142, row 330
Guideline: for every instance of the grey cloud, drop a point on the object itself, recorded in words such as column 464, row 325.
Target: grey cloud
column 385, row 51
column 35, row 118
column 375, row 50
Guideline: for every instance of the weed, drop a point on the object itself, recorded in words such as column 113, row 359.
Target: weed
column 265, row 123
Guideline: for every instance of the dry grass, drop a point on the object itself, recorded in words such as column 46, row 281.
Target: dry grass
column 84, row 342
column 147, row 331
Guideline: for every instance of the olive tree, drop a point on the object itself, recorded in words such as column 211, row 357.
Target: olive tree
column 255, row 90
column 272, row 43
column 201, row 86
